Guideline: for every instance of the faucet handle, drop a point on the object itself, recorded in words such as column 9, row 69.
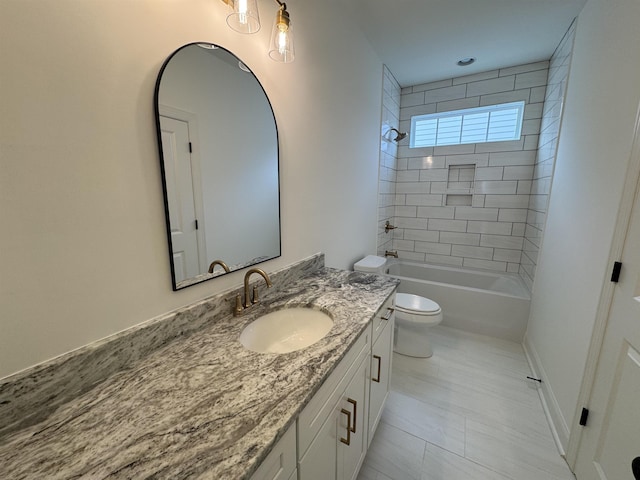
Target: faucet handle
column 388, row 226
column 237, row 310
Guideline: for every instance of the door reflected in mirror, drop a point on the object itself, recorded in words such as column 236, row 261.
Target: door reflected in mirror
column 218, row 145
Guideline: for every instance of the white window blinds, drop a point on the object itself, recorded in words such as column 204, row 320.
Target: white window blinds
column 494, row 123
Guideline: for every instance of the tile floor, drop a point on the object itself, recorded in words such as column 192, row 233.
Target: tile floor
column 467, row 413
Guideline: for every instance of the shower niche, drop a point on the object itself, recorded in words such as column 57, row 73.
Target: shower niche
column 460, row 180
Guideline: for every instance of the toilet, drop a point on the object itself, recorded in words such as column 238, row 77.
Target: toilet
column 414, row 314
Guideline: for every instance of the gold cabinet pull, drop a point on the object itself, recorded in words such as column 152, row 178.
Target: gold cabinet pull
column 379, row 358
column 389, row 313
column 347, row 441
column 355, row 413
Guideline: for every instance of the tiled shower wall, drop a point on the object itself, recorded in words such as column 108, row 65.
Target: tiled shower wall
column 545, row 160
column 434, row 226
column 388, row 154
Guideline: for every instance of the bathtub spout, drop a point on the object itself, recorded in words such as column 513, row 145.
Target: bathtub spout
column 391, row 253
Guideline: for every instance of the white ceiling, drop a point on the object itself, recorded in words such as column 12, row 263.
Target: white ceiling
column 421, row 40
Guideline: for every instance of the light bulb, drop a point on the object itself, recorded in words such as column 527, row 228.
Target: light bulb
column 243, row 16
column 282, row 38
column 242, row 11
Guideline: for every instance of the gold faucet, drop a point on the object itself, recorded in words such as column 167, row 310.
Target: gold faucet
column 391, row 253
column 250, row 299
column 218, row 262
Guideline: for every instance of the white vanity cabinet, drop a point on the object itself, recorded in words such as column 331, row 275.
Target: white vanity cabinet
column 337, row 414
column 381, row 354
column 334, row 429
column 280, row 464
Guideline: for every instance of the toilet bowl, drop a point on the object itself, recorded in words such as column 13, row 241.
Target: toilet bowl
column 414, row 314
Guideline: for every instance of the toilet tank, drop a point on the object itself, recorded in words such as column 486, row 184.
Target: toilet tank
column 371, row 264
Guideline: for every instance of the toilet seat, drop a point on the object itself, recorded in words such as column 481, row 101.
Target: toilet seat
column 416, row 305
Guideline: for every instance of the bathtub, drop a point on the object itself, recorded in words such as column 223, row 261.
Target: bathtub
column 478, row 301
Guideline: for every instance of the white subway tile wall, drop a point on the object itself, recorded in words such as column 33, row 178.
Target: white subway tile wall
column 472, row 200
column 476, row 205
column 387, row 199
column 546, row 155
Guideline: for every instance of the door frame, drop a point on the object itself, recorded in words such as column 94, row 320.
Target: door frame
column 196, row 176
column 623, row 220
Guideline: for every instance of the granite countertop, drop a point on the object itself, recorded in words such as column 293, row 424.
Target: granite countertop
column 201, row 406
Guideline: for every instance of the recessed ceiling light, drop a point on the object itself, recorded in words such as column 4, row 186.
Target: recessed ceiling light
column 463, row 62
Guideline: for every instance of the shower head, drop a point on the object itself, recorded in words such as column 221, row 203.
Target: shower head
column 400, row 135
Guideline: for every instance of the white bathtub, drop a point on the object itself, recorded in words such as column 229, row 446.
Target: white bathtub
column 479, row 301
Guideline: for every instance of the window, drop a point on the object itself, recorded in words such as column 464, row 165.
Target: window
column 495, row 123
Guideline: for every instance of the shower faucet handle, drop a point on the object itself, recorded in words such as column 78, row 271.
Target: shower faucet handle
column 388, row 226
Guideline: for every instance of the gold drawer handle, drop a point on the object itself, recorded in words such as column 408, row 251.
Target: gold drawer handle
column 355, row 413
column 388, row 315
column 379, row 358
column 347, row 440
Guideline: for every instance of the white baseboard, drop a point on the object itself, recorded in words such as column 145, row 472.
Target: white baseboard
column 557, row 422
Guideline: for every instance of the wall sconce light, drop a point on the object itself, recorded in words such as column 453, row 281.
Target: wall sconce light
column 243, row 15
column 281, row 45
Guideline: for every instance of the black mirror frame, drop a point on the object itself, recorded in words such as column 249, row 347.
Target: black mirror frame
column 156, row 97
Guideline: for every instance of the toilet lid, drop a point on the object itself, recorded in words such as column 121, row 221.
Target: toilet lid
column 416, row 304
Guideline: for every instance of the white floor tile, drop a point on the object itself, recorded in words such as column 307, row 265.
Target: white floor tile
column 425, row 421
column 468, row 412
column 367, row 473
column 440, row 464
column 395, row 454
column 514, row 453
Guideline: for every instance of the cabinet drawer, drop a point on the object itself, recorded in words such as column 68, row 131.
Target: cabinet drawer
column 321, row 405
column 280, row 464
column 383, row 315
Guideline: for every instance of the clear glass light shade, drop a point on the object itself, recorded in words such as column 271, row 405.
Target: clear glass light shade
column 243, row 16
column 281, row 45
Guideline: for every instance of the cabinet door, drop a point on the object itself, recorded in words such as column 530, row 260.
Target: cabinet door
column 381, row 354
column 353, row 426
column 323, row 404
column 319, row 461
column 281, row 461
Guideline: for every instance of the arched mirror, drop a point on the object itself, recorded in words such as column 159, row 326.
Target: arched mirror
column 218, row 146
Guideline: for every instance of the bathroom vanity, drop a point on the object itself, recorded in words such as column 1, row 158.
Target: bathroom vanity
column 200, row 405
column 336, row 427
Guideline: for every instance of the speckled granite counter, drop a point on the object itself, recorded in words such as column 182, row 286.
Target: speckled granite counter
column 201, row 406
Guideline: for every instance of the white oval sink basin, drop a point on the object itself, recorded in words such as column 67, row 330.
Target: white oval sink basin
column 286, row 330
